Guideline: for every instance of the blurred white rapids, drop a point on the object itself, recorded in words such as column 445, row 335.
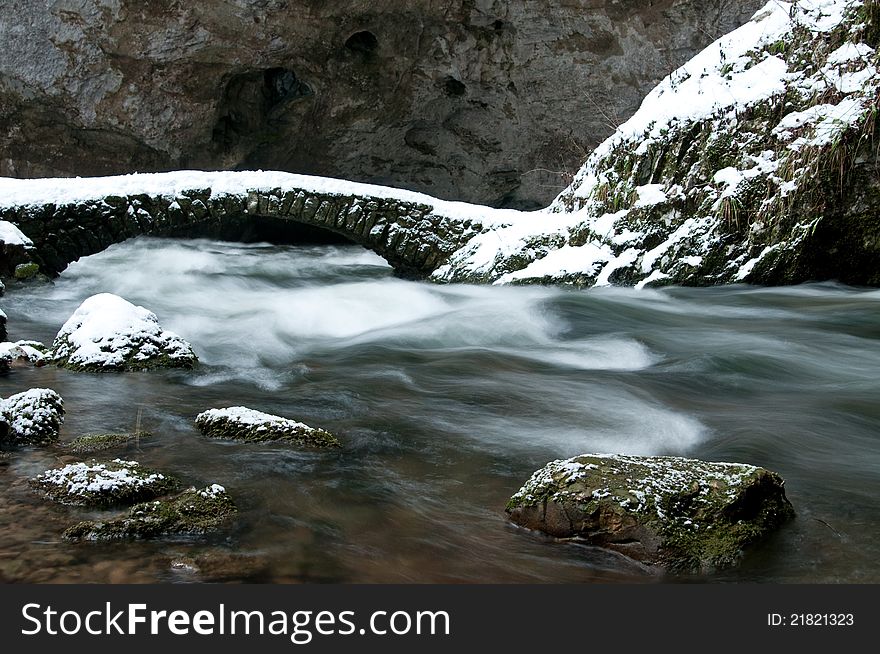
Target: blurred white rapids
column 446, row 399
column 264, row 316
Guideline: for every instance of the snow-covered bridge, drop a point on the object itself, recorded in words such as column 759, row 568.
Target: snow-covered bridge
column 65, row 219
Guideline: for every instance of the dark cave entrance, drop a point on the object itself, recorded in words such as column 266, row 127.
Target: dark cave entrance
column 253, row 103
column 364, row 43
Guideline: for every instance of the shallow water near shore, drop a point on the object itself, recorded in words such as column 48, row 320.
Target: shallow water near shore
column 446, row 399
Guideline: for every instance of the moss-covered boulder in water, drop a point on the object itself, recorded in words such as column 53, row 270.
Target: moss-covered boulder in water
column 106, row 483
column 108, row 333
column 193, row 512
column 242, row 424
column 27, row 271
column 33, row 417
column 680, row 514
column 91, row 443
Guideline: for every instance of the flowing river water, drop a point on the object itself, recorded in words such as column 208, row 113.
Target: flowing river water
column 446, row 399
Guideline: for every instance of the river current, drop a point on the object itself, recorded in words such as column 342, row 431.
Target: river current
column 446, row 399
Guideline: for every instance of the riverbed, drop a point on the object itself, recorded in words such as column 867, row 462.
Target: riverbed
column 446, row 399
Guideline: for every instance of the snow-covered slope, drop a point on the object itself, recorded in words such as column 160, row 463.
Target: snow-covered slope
column 729, row 167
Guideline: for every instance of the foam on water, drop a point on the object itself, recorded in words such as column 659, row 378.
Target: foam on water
column 447, row 398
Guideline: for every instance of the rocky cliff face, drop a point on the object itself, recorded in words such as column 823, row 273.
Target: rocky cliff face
column 477, row 100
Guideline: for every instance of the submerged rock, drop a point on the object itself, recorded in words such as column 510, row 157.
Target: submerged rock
column 108, row 333
column 102, row 483
column 221, row 565
column 242, row 424
column 91, row 443
column 33, row 417
column 193, row 512
column 27, row 352
column 680, row 514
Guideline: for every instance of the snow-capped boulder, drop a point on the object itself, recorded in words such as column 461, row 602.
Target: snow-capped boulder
column 679, row 514
column 108, row 333
column 193, row 512
column 33, row 417
column 106, row 483
column 242, row 424
column 26, row 352
column 753, row 162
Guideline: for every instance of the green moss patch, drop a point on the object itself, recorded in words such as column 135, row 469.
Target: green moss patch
column 92, row 443
column 25, row 271
column 193, row 512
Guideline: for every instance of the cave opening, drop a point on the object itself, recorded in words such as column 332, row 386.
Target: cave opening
column 453, row 87
column 363, row 42
column 252, row 101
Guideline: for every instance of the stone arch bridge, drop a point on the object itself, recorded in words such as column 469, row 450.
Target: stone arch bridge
column 413, row 232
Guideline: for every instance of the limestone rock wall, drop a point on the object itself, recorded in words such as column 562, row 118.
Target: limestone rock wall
column 478, row 100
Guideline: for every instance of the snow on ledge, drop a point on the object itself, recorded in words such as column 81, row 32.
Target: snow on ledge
column 12, row 235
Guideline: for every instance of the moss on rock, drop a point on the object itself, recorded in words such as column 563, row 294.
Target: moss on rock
column 193, row 512
column 91, row 443
column 681, row 514
column 26, row 271
column 242, row 424
column 107, row 483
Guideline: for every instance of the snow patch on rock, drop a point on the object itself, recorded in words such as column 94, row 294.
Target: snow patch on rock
column 33, row 417
column 97, row 483
column 244, row 424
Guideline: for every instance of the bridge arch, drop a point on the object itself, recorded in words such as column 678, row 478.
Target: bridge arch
column 412, row 235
